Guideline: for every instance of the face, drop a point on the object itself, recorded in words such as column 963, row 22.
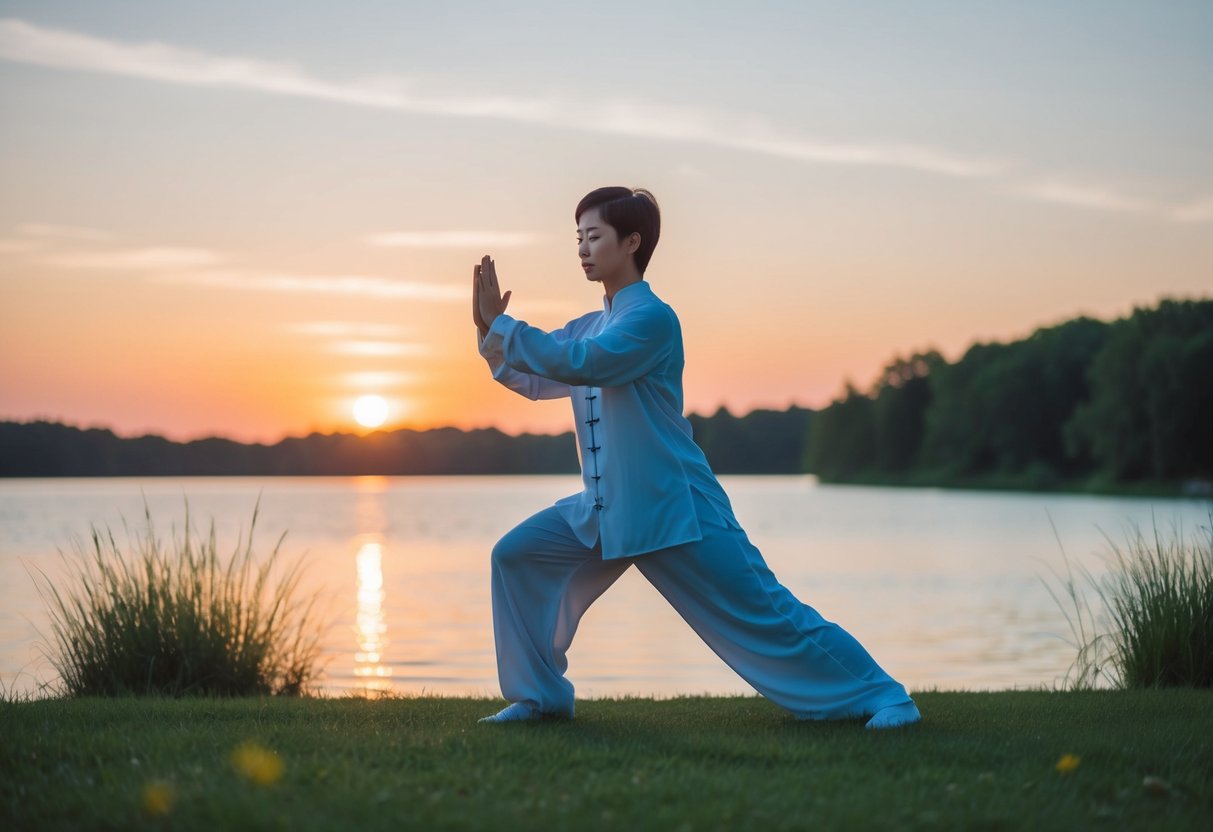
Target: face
column 603, row 255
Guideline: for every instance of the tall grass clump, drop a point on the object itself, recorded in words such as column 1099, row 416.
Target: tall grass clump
column 1157, row 599
column 1159, row 596
column 179, row 620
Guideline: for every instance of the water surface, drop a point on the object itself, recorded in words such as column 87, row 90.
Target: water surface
column 943, row 587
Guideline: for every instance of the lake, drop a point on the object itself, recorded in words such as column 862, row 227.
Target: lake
column 943, row 587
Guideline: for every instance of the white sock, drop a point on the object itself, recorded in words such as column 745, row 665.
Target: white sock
column 895, row 716
column 517, row 712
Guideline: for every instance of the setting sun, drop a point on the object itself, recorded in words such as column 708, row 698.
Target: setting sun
column 370, row 411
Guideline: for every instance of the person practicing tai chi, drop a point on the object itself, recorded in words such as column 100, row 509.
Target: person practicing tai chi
column 650, row 500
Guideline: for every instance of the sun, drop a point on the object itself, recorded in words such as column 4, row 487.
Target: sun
column 370, row 411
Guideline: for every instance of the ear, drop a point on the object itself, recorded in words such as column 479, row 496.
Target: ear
column 633, row 242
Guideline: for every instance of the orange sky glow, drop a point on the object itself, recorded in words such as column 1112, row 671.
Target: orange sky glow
column 203, row 234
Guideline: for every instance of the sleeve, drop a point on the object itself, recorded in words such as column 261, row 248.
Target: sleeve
column 632, row 345
column 525, row 384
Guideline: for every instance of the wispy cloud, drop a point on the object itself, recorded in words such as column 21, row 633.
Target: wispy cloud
column 37, row 236
column 451, row 239
column 62, row 232
column 29, row 43
column 1096, row 197
column 358, row 285
column 379, row 349
column 149, row 258
column 342, row 329
column 755, row 135
column 197, row 266
column 10, row 246
column 1198, row 210
column 363, row 339
column 378, row 380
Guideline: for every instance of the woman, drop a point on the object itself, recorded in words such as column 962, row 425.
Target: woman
column 649, row 499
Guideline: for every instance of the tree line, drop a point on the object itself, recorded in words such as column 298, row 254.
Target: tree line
column 1084, row 403
column 765, row 442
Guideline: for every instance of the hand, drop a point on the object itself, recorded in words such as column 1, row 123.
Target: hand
column 477, row 318
column 487, row 300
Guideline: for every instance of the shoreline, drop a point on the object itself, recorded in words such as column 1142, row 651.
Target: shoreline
column 1198, row 490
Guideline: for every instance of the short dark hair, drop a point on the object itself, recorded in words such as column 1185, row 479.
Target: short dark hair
column 628, row 211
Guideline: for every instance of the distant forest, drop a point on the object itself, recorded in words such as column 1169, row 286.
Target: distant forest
column 1084, row 404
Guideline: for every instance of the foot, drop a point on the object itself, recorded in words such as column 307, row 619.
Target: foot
column 517, row 712
column 894, row 716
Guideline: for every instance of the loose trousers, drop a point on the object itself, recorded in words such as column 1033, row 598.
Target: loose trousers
column 544, row 579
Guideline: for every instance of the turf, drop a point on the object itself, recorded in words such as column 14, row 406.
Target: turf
column 977, row 761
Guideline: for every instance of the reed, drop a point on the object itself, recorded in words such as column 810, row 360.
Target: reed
column 1090, row 668
column 1157, row 600
column 178, row 619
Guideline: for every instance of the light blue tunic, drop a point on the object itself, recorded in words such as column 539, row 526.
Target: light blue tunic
column 622, row 369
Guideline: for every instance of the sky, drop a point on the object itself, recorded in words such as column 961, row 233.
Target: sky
column 235, row 219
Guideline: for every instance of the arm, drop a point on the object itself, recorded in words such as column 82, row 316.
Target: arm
column 525, row 384
column 632, row 345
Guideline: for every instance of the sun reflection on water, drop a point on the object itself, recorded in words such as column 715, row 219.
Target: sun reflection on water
column 372, row 675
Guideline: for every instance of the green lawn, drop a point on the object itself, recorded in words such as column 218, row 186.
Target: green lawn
column 979, row 760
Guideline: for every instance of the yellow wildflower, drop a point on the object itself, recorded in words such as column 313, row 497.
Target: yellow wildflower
column 158, row 798
column 1068, row 763
column 258, row 764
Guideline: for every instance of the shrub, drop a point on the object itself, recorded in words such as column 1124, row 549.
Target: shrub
column 179, row 620
column 1159, row 596
column 1158, row 599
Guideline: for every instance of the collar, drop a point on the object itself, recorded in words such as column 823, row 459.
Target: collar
column 629, row 295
